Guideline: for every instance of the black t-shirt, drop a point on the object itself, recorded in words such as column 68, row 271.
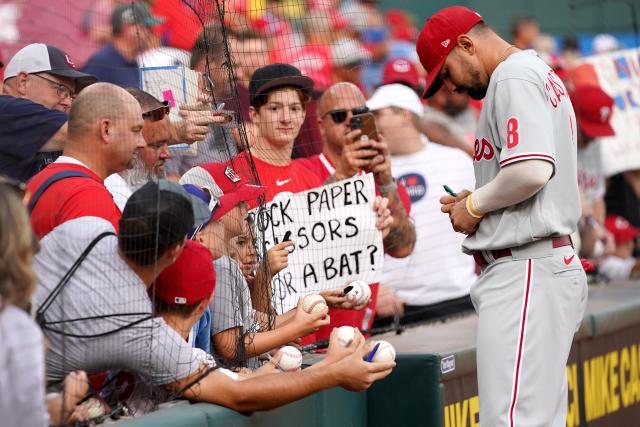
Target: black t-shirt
column 25, row 127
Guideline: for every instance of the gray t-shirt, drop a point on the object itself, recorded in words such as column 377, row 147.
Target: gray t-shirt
column 108, row 295
column 527, row 115
column 231, row 306
column 21, row 370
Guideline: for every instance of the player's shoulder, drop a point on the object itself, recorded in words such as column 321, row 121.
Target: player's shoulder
column 525, row 65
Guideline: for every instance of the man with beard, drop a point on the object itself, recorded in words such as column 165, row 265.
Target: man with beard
column 104, row 134
column 518, row 219
column 149, row 163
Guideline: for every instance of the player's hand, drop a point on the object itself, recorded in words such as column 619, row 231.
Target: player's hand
column 447, row 201
column 336, row 298
column 385, row 220
column 336, row 351
column 278, row 257
column 388, row 303
column 356, row 155
column 461, row 219
column 307, row 323
column 355, row 374
column 381, row 164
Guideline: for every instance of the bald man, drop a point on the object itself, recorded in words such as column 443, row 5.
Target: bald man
column 343, row 157
column 104, row 134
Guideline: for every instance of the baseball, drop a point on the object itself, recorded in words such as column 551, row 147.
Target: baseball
column 313, row 303
column 385, row 353
column 346, row 335
column 291, row 359
column 360, row 293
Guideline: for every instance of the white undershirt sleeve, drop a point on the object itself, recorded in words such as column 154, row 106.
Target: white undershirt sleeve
column 513, row 184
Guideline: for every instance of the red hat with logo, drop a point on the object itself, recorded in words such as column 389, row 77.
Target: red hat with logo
column 400, row 70
column 621, row 229
column 438, row 37
column 593, row 108
column 189, row 280
column 223, row 183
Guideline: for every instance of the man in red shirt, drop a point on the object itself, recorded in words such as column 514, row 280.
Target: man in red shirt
column 104, row 134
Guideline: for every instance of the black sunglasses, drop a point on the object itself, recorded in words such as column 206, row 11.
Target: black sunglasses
column 340, row 115
column 158, row 113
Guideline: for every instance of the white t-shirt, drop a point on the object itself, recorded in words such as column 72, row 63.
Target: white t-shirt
column 107, row 294
column 119, row 189
column 21, row 370
column 437, row 270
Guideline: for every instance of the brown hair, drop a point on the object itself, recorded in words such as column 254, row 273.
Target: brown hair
column 17, row 248
column 263, row 98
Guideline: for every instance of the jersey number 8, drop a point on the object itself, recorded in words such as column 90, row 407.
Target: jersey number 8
column 513, row 138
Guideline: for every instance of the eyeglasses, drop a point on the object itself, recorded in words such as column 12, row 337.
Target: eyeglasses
column 340, row 115
column 62, row 90
column 158, row 113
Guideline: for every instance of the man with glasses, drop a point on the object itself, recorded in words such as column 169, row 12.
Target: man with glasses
column 40, row 83
column 150, row 161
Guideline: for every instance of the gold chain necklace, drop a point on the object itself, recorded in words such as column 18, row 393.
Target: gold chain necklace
column 504, row 54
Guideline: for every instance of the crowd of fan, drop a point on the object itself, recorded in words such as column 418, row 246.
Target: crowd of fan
column 124, row 238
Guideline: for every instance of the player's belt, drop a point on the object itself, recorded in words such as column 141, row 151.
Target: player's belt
column 481, row 260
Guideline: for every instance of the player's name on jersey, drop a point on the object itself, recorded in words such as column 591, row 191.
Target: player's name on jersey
column 334, row 235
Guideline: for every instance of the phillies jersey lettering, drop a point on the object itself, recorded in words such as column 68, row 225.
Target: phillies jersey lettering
column 526, row 115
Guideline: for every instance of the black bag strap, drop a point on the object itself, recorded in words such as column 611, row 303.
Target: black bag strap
column 51, row 180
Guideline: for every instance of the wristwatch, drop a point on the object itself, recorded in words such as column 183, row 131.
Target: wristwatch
column 388, row 188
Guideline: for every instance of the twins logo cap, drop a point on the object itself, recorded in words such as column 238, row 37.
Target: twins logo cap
column 593, row 108
column 189, row 280
column 224, row 183
column 43, row 58
column 438, row 37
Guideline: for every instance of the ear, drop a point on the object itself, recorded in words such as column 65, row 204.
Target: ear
column 465, row 43
column 174, row 251
column 106, row 130
column 21, row 83
column 253, row 114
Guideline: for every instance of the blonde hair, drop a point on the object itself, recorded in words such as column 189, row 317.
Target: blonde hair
column 17, row 248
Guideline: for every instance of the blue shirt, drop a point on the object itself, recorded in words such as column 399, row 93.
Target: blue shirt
column 201, row 332
column 25, row 127
column 108, row 65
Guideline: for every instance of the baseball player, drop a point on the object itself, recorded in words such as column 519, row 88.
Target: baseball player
column 532, row 289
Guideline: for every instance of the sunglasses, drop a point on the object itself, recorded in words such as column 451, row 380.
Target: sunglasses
column 340, row 115
column 158, row 113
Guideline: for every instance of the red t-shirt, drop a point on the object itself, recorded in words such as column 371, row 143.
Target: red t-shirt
column 70, row 198
column 292, row 178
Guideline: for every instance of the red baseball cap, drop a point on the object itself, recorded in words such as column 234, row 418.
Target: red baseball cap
column 621, row 229
column 438, row 37
column 189, row 280
column 224, row 183
column 593, row 108
column 400, row 70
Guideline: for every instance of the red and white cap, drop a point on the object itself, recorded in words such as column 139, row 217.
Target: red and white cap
column 438, row 37
column 189, row 280
column 400, row 70
column 223, row 182
column 593, row 108
column 621, row 229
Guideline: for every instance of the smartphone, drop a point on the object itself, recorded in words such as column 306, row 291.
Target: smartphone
column 367, row 123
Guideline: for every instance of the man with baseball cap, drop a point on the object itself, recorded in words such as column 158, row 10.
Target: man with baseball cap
column 594, row 109
column 115, row 63
column 40, row 83
column 532, row 289
column 417, row 287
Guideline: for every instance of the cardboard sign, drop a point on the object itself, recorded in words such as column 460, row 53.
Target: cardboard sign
column 335, row 237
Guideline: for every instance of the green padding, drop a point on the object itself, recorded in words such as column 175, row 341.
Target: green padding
column 410, row 396
column 335, row 407
column 181, row 415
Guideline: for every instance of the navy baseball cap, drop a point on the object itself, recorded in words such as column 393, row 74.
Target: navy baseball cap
column 277, row 75
column 44, row 58
column 132, row 13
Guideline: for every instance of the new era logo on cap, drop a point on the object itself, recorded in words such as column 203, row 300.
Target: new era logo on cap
column 446, row 43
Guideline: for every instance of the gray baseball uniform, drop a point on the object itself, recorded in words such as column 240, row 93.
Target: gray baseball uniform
column 529, row 299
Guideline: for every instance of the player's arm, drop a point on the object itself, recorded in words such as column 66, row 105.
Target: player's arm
column 266, row 392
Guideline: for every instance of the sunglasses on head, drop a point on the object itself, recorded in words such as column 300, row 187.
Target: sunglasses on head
column 340, row 115
column 158, row 113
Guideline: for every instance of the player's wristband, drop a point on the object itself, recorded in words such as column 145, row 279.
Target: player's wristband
column 472, row 211
column 388, row 188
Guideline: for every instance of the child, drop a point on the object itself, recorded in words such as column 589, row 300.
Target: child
column 621, row 265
